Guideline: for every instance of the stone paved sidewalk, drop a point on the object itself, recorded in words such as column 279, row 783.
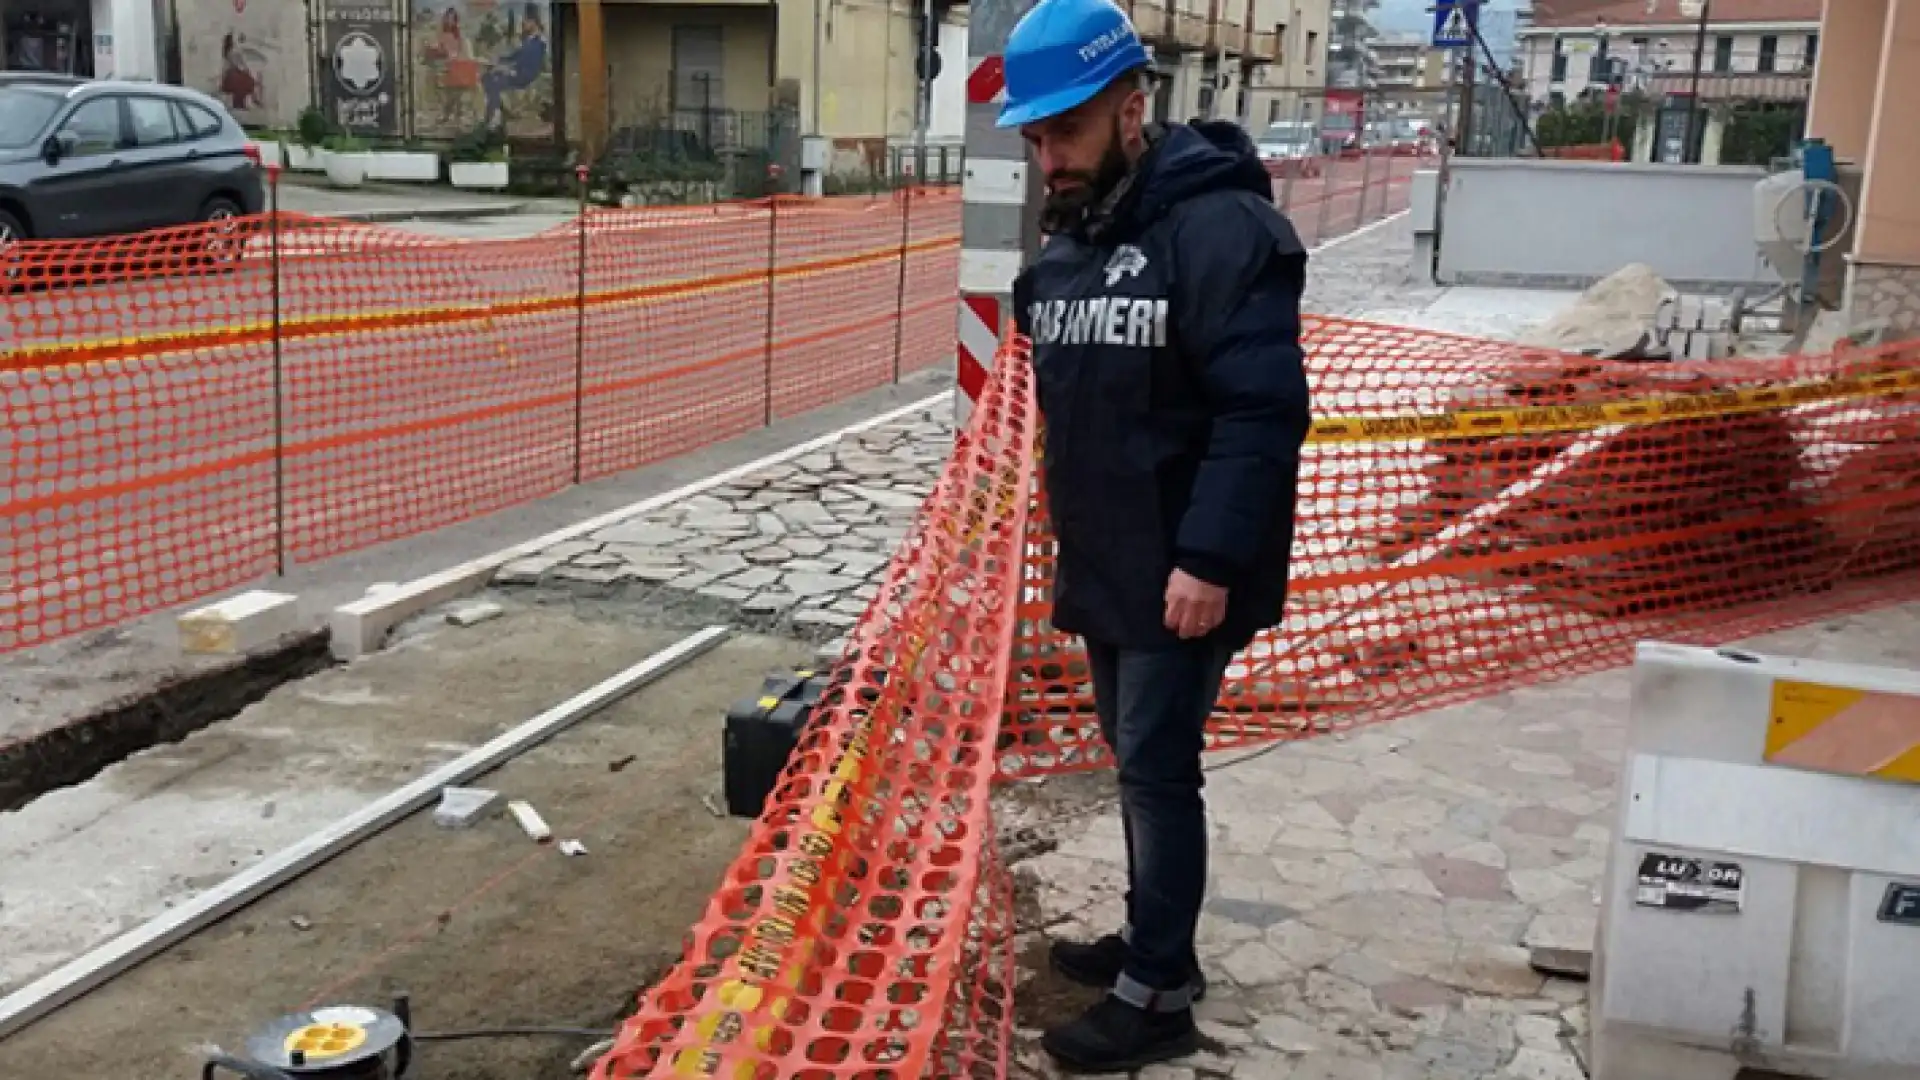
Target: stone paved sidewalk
column 797, row 547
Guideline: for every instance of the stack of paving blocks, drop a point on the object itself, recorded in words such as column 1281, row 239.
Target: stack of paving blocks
column 1627, row 520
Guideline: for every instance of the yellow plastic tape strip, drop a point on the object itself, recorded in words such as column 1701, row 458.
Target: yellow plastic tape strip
column 1540, row 420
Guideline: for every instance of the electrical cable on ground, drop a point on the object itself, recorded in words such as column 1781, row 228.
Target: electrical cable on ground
column 513, row 1033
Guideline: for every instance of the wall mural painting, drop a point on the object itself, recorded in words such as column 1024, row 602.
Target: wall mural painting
column 250, row 54
column 481, row 62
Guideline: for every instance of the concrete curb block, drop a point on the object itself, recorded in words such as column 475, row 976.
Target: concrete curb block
column 457, row 212
column 360, row 627
column 1356, row 234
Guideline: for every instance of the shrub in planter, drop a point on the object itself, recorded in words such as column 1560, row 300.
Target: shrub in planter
column 405, row 162
column 346, row 161
column 306, row 150
column 478, row 159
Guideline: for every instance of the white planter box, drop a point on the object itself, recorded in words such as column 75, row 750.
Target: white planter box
column 478, row 174
column 346, row 170
column 404, row 165
column 270, row 152
column 305, row 158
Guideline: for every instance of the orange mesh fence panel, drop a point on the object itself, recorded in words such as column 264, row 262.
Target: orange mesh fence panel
column 427, row 381
column 1328, row 197
column 865, row 929
column 187, row 411
column 1602, row 151
column 136, row 452
column 676, row 321
column 933, row 278
column 836, row 293
column 1475, row 516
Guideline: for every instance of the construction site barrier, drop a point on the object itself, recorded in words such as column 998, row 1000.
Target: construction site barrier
column 186, row 411
column 1473, row 516
column 1330, row 195
column 189, row 411
column 1600, row 151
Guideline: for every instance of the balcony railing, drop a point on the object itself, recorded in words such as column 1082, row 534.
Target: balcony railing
column 1185, row 31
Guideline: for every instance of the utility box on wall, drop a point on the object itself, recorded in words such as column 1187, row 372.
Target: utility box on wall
column 1761, row 906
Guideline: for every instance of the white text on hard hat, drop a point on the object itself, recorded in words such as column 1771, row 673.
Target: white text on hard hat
column 1102, row 43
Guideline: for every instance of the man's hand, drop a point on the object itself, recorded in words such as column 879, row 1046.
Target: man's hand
column 1194, row 608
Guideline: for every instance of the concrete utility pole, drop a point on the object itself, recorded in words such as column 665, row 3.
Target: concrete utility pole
column 1000, row 193
column 1690, row 153
column 594, row 115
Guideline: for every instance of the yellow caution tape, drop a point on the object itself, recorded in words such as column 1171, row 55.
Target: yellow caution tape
column 1544, row 419
column 770, row 968
column 107, row 350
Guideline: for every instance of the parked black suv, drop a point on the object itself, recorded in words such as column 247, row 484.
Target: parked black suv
column 82, row 158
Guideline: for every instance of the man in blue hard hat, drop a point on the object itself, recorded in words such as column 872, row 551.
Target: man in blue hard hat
column 1164, row 313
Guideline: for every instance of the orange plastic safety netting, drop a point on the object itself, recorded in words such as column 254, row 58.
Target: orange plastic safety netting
column 1474, row 516
column 186, row 411
column 863, row 932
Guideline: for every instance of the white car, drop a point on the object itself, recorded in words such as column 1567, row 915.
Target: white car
column 1289, row 147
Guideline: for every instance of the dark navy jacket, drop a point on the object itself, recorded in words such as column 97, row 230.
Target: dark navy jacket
column 1166, row 348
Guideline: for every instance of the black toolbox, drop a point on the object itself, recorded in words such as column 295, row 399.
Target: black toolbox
column 760, row 735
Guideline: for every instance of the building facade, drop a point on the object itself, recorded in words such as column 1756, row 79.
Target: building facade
column 1865, row 82
column 1292, row 86
column 1749, row 49
column 92, row 38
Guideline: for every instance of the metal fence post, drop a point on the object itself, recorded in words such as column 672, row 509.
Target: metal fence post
column 900, row 299
column 279, row 377
column 1366, row 181
column 1327, row 187
column 1291, row 167
column 773, row 258
column 580, row 174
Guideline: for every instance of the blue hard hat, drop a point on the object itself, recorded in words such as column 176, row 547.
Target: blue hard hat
column 1062, row 53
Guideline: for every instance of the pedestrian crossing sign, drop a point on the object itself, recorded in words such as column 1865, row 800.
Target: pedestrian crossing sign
column 1453, row 23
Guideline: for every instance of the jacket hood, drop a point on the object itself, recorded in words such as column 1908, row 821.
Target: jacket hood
column 1189, row 160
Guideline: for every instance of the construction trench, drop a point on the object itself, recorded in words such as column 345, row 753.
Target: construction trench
column 482, row 927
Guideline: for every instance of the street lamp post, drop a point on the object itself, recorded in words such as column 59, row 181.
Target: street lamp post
column 1690, row 153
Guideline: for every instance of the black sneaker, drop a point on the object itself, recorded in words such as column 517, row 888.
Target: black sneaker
column 1115, row 1037
column 1098, row 963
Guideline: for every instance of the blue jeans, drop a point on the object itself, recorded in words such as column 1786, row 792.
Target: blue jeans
column 1153, row 708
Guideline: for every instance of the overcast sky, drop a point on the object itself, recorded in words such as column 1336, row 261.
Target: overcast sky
column 1412, row 16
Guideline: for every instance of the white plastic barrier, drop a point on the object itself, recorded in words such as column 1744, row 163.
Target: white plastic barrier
column 1759, row 914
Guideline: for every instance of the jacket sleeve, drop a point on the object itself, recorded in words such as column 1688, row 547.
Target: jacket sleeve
column 1239, row 273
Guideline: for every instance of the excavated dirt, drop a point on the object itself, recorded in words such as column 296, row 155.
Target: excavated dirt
column 481, row 927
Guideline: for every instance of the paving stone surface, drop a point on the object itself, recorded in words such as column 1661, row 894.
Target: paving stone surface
column 799, row 546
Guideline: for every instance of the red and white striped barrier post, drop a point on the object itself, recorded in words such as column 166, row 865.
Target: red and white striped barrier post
column 998, row 228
